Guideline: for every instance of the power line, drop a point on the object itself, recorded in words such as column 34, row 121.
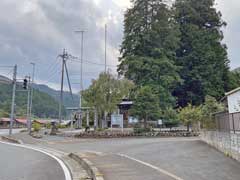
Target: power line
column 6, row 66
column 57, row 72
column 76, row 59
column 53, row 65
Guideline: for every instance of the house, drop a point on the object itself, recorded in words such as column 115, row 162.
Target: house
column 233, row 101
column 230, row 119
column 21, row 122
column 4, row 122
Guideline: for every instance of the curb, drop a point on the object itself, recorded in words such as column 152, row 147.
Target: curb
column 92, row 171
column 11, row 140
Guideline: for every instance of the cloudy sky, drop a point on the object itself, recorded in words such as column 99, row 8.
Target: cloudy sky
column 38, row 30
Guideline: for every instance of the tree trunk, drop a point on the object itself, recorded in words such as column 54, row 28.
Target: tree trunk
column 145, row 122
column 188, row 127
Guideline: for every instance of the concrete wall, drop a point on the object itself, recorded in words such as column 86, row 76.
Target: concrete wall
column 226, row 142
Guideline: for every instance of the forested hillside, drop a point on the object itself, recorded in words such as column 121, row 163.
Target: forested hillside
column 44, row 106
column 67, row 99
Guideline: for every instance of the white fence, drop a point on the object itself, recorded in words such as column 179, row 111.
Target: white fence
column 228, row 143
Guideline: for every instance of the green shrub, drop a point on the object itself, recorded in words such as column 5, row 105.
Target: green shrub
column 139, row 130
column 36, row 127
column 60, row 126
column 48, row 125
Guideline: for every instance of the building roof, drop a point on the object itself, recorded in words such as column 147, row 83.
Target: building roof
column 5, row 119
column 22, row 121
column 41, row 121
column 232, row 92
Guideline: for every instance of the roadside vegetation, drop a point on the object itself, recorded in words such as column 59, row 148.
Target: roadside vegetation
column 175, row 57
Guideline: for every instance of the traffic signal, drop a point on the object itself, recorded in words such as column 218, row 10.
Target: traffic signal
column 25, row 84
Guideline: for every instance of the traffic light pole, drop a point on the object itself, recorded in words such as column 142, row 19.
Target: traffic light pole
column 13, row 99
column 28, row 108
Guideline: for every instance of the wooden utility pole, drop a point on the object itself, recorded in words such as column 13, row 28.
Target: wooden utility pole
column 63, row 56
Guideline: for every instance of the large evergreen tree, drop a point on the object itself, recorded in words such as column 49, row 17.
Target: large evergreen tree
column 201, row 55
column 151, row 38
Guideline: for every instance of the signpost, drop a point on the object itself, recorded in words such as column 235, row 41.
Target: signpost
column 117, row 119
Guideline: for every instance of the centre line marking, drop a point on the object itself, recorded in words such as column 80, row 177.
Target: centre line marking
column 152, row 166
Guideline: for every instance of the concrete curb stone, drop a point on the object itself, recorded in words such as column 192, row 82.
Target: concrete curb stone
column 92, row 171
column 11, row 140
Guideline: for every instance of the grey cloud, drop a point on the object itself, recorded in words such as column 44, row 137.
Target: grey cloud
column 39, row 32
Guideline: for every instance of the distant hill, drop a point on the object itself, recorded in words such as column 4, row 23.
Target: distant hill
column 44, row 106
column 237, row 70
column 5, row 80
column 67, row 99
column 45, row 102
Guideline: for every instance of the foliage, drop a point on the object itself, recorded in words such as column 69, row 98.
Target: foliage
column 170, row 117
column 44, row 106
column 201, row 55
column 146, row 104
column 106, row 92
column 233, row 80
column 48, row 125
column 151, row 38
column 210, row 107
column 139, row 130
column 36, row 127
column 67, row 98
column 62, row 126
column 190, row 115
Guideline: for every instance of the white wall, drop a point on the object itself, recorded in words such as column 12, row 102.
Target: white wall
column 234, row 102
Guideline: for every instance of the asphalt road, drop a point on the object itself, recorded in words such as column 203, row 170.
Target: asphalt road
column 17, row 163
column 153, row 159
column 6, row 131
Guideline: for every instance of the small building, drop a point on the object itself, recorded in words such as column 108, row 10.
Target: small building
column 21, row 122
column 229, row 120
column 233, row 101
column 4, row 122
column 124, row 107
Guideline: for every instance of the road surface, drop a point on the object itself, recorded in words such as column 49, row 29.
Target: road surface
column 6, row 131
column 156, row 158
column 17, row 163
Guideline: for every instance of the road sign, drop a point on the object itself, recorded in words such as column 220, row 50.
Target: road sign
column 160, row 122
column 117, row 119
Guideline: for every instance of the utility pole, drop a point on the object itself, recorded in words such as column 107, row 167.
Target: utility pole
column 105, row 48
column 13, row 99
column 63, row 56
column 28, row 106
column 79, row 124
column 31, row 99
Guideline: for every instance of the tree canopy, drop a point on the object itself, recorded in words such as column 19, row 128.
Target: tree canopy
column 202, row 55
column 44, row 106
column 148, row 52
column 106, row 92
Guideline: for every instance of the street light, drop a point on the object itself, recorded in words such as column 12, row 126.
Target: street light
column 81, row 75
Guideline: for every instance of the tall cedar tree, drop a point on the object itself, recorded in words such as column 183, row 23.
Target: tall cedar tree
column 201, row 55
column 151, row 38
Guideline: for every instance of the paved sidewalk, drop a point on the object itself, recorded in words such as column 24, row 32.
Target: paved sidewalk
column 119, row 168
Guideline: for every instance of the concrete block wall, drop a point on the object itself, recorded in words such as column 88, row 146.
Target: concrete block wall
column 226, row 142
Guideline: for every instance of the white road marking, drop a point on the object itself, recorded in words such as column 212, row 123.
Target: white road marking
column 60, row 162
column 152, row 166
